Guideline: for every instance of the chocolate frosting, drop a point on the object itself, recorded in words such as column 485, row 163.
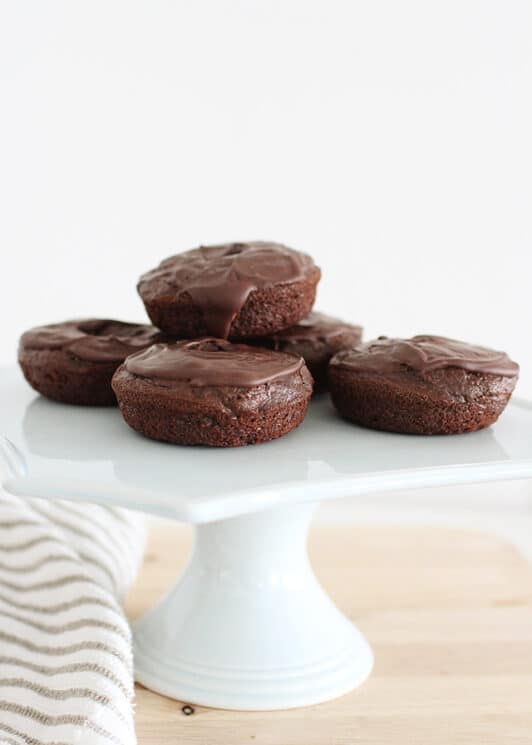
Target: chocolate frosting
column 314, row 330
column 212, row 362
column 220, row 278
column 93, row 339
column 424, row 354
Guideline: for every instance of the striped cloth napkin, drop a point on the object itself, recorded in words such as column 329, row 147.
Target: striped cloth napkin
column 65, row 647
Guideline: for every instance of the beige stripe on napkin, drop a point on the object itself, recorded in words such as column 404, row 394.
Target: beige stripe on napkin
column 66, row 668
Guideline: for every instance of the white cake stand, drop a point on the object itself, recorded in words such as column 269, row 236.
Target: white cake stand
column 247, row 626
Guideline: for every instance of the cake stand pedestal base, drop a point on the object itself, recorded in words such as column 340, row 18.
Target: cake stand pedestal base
column 248, row 626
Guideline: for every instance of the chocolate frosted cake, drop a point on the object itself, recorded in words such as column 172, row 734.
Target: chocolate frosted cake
column 423, row 385
column 316, row 338
column 234, row 290
column 212, row 392
column 73, row 362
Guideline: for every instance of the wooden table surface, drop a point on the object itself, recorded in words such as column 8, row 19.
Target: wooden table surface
column 449, row 616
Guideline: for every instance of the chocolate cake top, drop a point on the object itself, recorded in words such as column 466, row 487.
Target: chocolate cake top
column 92, row 339
column 212, row 362
column 220, row 278
column 314, row 329
column 424, row 353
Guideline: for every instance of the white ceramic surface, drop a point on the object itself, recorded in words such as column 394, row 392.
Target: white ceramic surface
column 81, row 453
column 247, row 626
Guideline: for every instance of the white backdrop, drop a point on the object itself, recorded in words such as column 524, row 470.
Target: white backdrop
column 391, row 140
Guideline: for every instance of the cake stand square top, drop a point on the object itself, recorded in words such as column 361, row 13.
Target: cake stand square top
column 52, row 450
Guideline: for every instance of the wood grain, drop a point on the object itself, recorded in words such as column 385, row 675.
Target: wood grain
column 449, row 616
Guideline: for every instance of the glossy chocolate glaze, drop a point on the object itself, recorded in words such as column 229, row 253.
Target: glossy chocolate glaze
column 212, row 362
column 314, row 330
column 220, row 278
column 424, row 354
column 93, row 339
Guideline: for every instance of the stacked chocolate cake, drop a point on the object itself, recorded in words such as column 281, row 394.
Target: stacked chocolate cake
column 236, row 351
